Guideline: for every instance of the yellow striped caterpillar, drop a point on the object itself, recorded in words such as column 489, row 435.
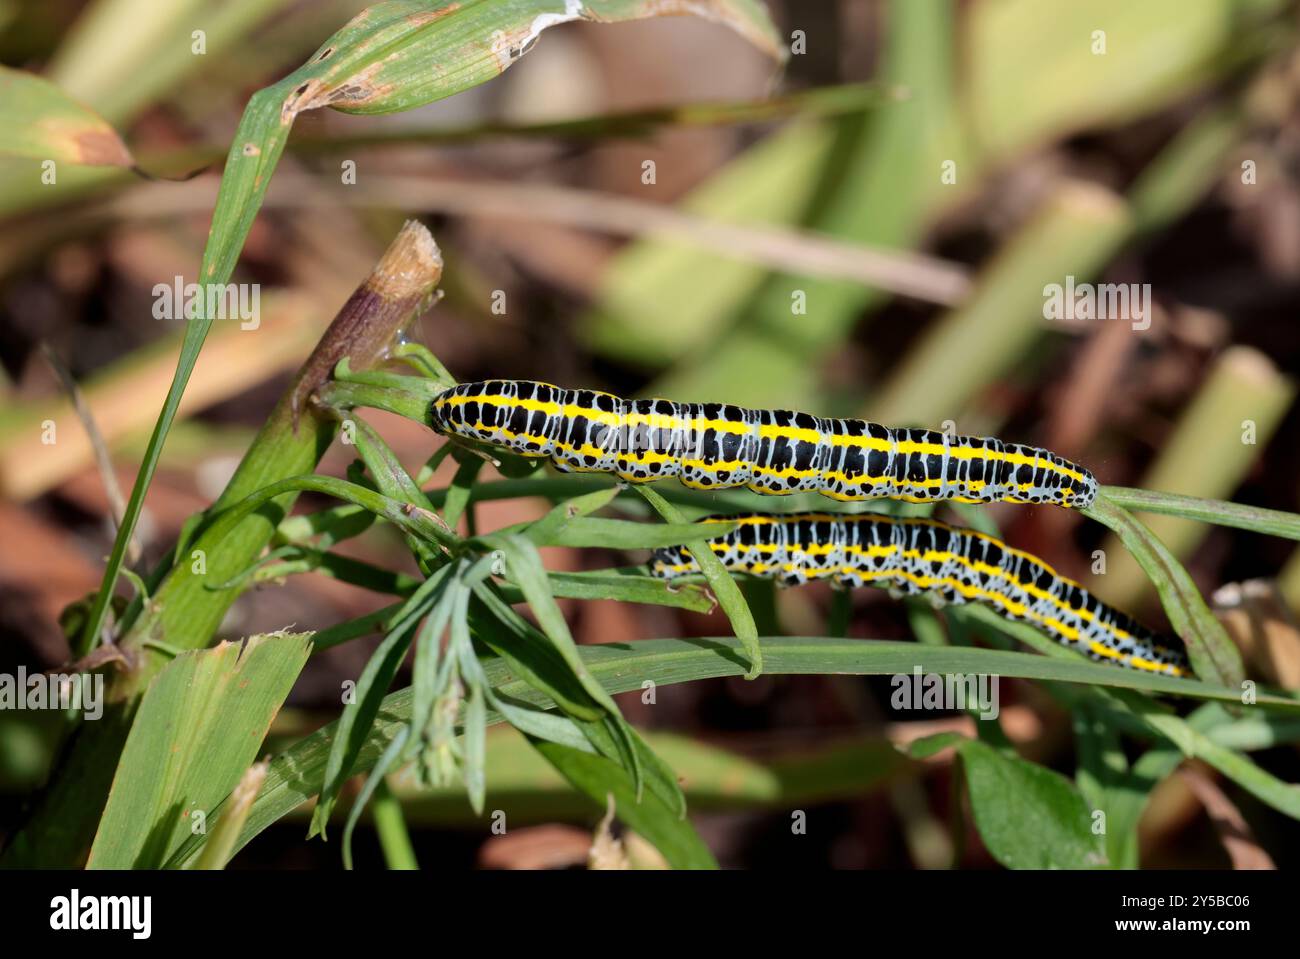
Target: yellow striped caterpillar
column 714, row 445
column 948, row 564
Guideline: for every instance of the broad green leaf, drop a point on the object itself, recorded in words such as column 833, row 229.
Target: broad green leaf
column 1028, row 816
column 199, row 727
column 1112, row 786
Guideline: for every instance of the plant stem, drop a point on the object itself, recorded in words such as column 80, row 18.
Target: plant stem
column 186, row 611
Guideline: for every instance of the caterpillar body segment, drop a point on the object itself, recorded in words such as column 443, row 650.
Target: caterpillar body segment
column 946, row 563
column 777, row 452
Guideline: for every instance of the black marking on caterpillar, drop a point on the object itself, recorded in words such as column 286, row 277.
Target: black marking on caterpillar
column 946, row 563
column 714, row 445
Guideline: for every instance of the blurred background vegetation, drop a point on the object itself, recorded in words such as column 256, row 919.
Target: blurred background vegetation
column 999, row 145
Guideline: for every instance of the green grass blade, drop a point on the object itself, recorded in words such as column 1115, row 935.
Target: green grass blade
column 199, row 728
column 41, row 122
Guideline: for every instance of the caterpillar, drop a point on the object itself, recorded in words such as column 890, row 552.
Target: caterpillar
column 715, row 445
column 925, row 557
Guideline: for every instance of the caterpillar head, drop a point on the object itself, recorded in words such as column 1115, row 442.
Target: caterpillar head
column 439, row 411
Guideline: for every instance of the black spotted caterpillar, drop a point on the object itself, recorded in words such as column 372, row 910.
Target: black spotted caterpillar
column 714, row 445
column 921, row 556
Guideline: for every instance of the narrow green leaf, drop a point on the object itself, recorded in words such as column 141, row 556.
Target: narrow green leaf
column 1264, row 786
column 544, row 530
column 458, row 493
column 390, row 826
column 411, row 519
column 360, row 710
column 475, row 746
column 648, row 815
column 1213, row 655
column 332, row 525
column 628, row 584
column 385, row 763
column 590, row 532
column 530, row 654
column 724, row 587
column 1220, row 512
column 526, row 569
